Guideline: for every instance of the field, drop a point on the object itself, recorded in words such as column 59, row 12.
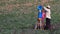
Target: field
column 19, row 16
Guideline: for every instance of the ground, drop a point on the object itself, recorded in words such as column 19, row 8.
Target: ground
column 18, row 17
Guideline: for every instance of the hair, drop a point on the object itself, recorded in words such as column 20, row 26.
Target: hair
column 48, row 7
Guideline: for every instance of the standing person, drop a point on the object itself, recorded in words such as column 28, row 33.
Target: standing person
column 48, row 17
column 40, row 8
column 43, row 17
column 39, row 23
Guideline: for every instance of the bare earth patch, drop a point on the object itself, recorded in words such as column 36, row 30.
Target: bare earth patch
column 28, row 4
column 9, row 7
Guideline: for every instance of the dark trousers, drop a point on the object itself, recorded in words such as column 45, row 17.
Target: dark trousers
column 48, row 23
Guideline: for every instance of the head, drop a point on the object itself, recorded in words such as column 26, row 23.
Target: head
column 43, row 10
column 48, row 6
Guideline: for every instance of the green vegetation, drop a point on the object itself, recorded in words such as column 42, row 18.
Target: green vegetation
column 15, row 15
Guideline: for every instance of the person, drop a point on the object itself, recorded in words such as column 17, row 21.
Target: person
column 48, row 17
column 43, row 17
column 39, row 24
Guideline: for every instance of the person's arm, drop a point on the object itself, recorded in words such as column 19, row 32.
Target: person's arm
column 45, row 8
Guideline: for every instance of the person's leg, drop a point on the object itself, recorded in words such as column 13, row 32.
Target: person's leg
column 43, row 24
column 43, row 18
column 37, row 26
column 40, row 24
column 48, row 23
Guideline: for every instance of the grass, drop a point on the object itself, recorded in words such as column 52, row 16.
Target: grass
column 15, row 15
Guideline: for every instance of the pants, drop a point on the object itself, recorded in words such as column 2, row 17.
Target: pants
column 48, row 23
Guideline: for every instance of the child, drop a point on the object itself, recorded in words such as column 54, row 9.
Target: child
column 43, row 17
column 39, row 24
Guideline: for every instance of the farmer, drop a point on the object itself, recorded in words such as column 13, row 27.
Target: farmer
column 40, row 15
column 39, row 23
column 48, row 17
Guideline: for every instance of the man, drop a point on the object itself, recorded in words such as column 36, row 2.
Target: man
column 48, row 17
